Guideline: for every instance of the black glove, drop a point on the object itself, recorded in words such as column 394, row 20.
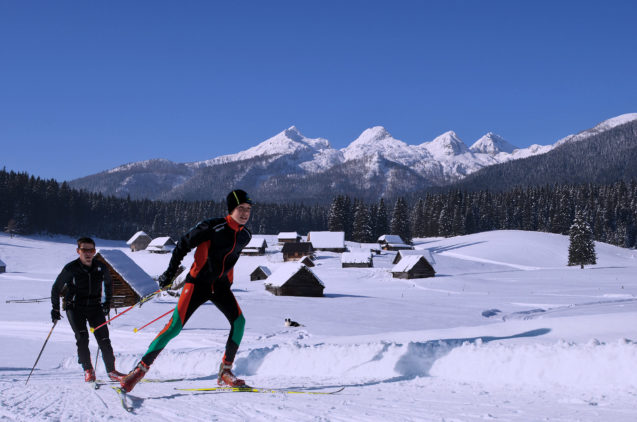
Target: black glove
column 166, row 279
column 55, row 315
column 106, row 307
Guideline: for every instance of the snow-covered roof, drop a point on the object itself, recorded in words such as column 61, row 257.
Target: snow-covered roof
column 256, row 242
column 406, row 252
column 356, row 257
column 135, row 236
column 137, row 278
column 286, row 270
column 264, row 269
column 407, row 263
column 2, row 264
column 288, row 235
column 160, row 241
column 327, row 239
column 391, row 238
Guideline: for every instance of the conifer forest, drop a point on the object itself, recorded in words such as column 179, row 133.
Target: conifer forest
column 31, row 205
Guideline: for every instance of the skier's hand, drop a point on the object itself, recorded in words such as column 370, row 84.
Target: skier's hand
column 166, row 279
column 55, row 315
column 106, row 307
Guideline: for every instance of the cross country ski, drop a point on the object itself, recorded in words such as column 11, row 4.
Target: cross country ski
column 261, row 390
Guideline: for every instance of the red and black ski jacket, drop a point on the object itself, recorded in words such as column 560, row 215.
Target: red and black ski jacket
column 81, row 285
column 219, row 242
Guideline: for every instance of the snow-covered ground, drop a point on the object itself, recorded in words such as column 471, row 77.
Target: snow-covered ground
column 505, row 331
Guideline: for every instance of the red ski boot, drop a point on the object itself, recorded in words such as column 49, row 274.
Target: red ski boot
column 89, row 375
column 134, row 376
column 227, row 378
column 115, row 375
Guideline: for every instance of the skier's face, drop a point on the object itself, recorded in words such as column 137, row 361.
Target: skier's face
column 86, row 251
column 241, row 214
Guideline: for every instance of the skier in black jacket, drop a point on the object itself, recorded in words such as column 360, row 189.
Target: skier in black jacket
column 80, row 284
column 219, row 242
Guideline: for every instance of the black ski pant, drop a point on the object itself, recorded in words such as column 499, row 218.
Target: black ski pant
column 78, row 317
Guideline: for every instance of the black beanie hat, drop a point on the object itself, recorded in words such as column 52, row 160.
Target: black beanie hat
column 237, row 197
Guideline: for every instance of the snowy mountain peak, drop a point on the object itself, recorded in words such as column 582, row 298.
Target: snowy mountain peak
column 492, row 144
column 377, row 141
column 288, row 142
column 446, row 144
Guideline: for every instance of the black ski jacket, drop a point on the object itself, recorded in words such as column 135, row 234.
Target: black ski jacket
column 81, row 285
column 219, row 242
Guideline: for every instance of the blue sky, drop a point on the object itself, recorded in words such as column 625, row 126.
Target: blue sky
column 86, row 86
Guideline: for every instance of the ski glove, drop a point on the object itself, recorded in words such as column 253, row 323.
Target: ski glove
column 106, row 307
column 55, row 315
column 166, row 279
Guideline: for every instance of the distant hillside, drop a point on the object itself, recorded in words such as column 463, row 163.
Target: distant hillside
column 600, row 157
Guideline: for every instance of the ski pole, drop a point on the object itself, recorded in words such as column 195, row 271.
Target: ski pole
column 97, row 357
column 159, row 317
column 142, row 300
column 42, row 350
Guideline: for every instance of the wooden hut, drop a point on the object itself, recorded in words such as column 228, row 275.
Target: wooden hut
column 407, row 252
column 255, row 247
column 288, row 237
column 3, row 267
column 296, row 251
column 161, row 245
column 294, row 279
column 260, row 273
column 414, row 266
column 307, row 261
column 139, row 241
column 392, row 242
column 327, row 241
column 357, row 260
column 130, row 282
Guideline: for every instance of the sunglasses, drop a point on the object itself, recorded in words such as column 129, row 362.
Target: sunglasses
column 87, row 249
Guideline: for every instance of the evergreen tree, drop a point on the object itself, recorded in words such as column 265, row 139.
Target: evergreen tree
column 581, row 249
column 381, row 225
column 362, row 230
column 336, row 215
column 400, row 224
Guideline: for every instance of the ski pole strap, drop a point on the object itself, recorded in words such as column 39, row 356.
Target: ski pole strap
column 159, row 317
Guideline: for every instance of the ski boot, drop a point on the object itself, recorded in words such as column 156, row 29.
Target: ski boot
column 134, row 376
column 115, row 375
column 89, row 375
column 227, row 379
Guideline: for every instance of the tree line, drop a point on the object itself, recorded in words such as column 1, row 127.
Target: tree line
column 30, row 205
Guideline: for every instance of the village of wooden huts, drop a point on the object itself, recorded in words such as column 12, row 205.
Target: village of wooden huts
column 327, row 241
column 392, row 242
column 294, row 279
column 255, row 247
column 161, row 245
column 139, row 241
column 130, row 282
column 413, row 266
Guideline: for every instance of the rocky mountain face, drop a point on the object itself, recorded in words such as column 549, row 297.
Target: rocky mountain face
column 290, row 167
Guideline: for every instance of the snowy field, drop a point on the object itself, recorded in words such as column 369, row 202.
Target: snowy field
column 505, row 331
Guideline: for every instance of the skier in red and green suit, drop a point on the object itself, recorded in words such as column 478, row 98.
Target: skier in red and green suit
column 219, row 242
